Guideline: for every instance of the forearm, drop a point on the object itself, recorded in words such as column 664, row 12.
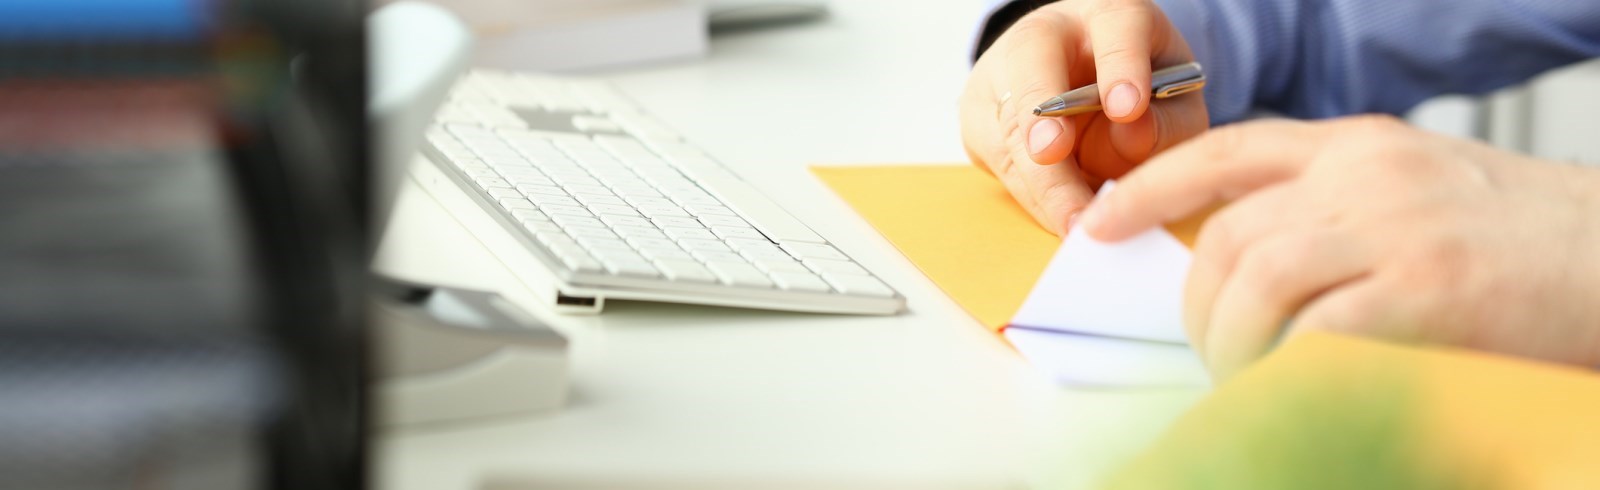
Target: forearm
column 1339, row 57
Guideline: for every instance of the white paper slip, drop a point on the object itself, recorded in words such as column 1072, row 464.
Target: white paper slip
column 1132, row 289
column 1102, row 362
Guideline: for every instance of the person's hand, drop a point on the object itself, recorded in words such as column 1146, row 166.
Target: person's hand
column 1368, row 226
column 1049, row 164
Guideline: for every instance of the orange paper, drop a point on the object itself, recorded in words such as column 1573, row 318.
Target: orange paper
column 961, row 228
column 958, row 225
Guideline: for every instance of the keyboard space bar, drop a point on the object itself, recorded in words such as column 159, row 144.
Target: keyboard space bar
column 766, row 215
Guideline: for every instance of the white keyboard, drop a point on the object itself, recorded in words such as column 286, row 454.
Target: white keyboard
column 616, row 205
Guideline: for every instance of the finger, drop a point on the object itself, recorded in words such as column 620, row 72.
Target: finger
column 1272, row 280
column 981, row 133
column 1373, row 305
column 1097, row 157
column 1016, row 184
column 1219, row 165
column 1120, row 32
column 1167, row 123
column 1036, row 64
column 1223, row 236
column 1109, row 149
column 1056, row 193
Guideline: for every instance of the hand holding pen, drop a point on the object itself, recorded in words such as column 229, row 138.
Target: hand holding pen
column 1051, row 164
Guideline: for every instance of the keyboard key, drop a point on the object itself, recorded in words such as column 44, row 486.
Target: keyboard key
column 578, row 261
column 636, row 231
column 616, row 220
column 747, row 243
column 492, row 181
column 513, row 203
column 665, row 212
column 666, row 254
column 690, row 233
column 499, row 193
column 772, row 266
column 631, row 193
column 555, row 239
column 541, row 190
column 814, row 251
column 738, row 274
column 643, row 202
column 507, row 160
column 519, row 173
column 800, row 281
column 594, row 200
column 652, row 243
column 713, row 221
column 572, row 180
column 528, row 215
column 859, row 285
column 685, row 270
column 640, row 268
column 568, row 221
column 769, row 254
column 713, row 256
column 547, row 200
column 541, row 226
column 532, row 180
column 670, row 222
column 559, row 210
column 594, row 190
column 583, row 232
column 704, row 210
column 610, row 210
column 835, row 267
column 603, row 246
column 729, row 232
column 692, row 245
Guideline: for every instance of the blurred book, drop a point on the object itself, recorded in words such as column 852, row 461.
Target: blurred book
column 579, row 35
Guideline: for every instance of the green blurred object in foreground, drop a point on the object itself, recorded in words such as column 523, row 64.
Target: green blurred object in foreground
column 1337, row 431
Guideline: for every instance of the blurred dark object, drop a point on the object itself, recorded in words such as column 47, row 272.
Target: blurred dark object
column 183, row 241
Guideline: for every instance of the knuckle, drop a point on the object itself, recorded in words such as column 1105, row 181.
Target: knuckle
column 1264, row 269
column 1349, row 316
column 1032, row 91
column 1217, row 235
column 1119, row 51
column 1059, row 195
column 1443, row 260
column 1123, row 7
column 1038, row 23
column 1374, row 127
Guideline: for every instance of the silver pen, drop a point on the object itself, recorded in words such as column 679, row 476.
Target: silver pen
column 1167, row 82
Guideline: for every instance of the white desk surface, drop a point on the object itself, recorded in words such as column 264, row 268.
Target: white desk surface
column 672, row 396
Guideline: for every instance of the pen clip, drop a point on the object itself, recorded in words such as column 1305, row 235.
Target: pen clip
column 1176, row 90
column 1177, row 80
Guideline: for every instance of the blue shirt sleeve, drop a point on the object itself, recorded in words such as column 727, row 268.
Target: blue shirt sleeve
column 1315, row 59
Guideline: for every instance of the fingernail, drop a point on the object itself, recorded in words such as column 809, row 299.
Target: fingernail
column 1090, row 218
column 1042, row 134
column 1122, row 99
column 1094, row 213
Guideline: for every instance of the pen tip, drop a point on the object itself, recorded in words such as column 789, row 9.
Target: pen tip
column 1037, row 111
